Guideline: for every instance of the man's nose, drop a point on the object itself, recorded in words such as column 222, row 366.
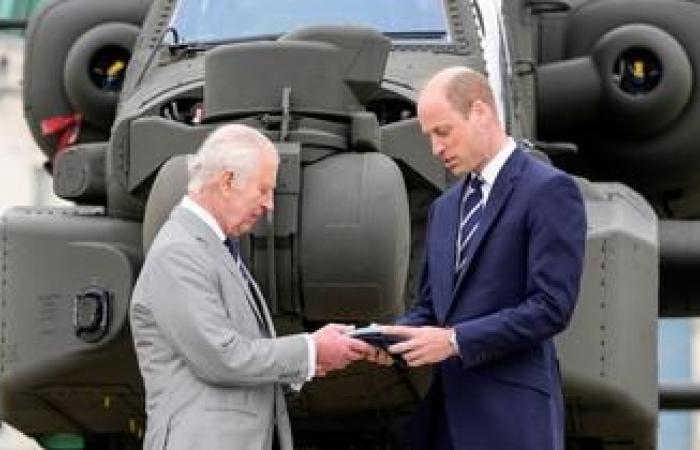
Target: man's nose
column 437, row 146
column 269, row 202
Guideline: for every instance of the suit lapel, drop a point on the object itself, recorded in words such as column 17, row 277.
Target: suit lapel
column 201, row 231
column 502, row 188
column 266, row 319
column 446, row 239
column 242, row 280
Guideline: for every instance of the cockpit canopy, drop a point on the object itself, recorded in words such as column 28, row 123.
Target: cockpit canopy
column 211, row 21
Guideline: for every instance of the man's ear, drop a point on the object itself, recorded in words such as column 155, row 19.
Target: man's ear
column 483, row 113
column 479, row 108
column 226, row 181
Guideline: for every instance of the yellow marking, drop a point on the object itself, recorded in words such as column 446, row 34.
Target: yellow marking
column 115, row 68
column 638, row 69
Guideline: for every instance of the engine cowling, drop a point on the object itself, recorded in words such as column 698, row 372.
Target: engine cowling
column 86, row 45
column 626, row 92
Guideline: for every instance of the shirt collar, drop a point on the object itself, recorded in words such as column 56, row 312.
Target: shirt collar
column 490, row 171
column 203, row 214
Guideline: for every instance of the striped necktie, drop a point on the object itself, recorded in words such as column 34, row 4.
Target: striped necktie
column 234, row 247
column 470, row 214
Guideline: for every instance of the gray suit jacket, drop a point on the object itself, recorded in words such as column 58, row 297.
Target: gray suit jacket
column 210, row 361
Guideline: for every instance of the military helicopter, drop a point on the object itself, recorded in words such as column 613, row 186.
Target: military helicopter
column 117, row 94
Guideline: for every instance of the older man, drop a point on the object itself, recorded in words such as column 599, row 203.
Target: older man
column 504, row 254
column 212, row 365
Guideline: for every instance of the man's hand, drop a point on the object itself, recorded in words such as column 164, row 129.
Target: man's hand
column 335, row 349
column 423, row 345
column 379, row 356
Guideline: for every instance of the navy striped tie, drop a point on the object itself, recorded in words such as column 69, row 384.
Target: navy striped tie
column 234, row 247
column 470, row 214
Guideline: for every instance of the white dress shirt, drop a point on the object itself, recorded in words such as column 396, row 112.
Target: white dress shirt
column 491, row 170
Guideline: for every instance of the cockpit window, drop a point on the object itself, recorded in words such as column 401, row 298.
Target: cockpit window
column 202, row 21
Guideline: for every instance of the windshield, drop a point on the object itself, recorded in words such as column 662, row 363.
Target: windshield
column 222, row 20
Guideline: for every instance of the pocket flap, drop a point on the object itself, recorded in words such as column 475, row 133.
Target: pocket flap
column 523, row 373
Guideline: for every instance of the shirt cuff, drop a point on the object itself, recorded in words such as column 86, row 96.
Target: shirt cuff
column 312, row 357
column 454, row 342
column 311, row 345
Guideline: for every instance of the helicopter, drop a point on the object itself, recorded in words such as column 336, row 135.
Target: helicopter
column 117, row 94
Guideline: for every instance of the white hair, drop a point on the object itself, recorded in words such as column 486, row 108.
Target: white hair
column 236, row 148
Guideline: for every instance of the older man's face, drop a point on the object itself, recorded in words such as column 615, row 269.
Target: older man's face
column 249, row 199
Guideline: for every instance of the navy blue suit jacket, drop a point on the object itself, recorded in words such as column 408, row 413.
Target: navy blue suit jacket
column 518, row 289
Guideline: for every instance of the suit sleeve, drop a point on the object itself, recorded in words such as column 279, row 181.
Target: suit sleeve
column 188, row 309
column 422, row 313
column 556, row 225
